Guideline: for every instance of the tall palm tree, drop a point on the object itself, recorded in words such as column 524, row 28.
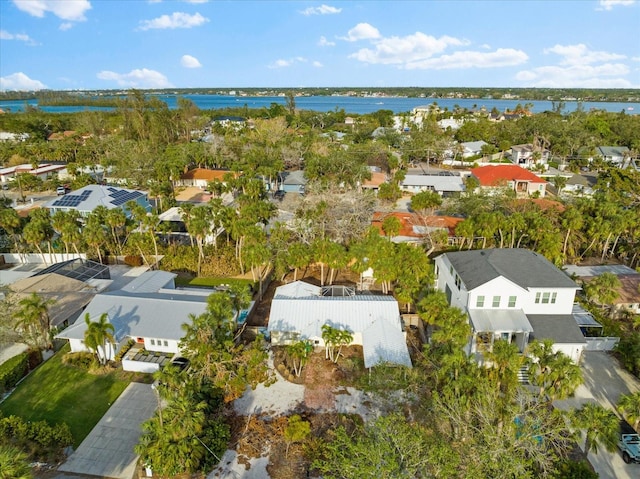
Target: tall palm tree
column 98, row 336
column 601, row 426
column 506, row 361
column 14, row 463
column 33, row 318
column 552, row 371
column 629, row 407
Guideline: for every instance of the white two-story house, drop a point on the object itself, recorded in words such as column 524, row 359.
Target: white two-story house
column 511, row 294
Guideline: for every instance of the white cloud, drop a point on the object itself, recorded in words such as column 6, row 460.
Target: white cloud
column 175, row 20
column 72, row 10
column 5, row 35
column 21, row 82
column 502, row 57
column 402, row 50
column 321, row 10
column 579, row 67
column 609, row 4
column 65, row 26
column 317, row 64
column 283, row 63
column 138, row 78
column 323, row 42
column 188, row 61
column 362, row 31
column 607, row 75
column 580, row 54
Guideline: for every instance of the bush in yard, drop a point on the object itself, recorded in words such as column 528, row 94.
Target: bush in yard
column 41, row 441
column 35, row 358
column 628, row 350
column 13, row 371
column 82, row 360
column 124, row 350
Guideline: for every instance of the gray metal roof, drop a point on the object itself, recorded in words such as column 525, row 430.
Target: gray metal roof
column 520, row 266
column 561, row 328
column 589, row 271
column 439, row 183
column 486, row 320
column 300, row 307
column 152, row 316
column 150, row 282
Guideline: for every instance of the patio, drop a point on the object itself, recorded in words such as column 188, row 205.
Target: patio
column 140, row 360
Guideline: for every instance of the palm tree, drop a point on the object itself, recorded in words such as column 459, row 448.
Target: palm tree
column 10, row 222
column 552, row 371
column 629, row 407
column 603, row 289
column 299, row 353
column 98, row 336
column 33, row 319
column 14, row 463
column 506, row 360
column 601, row 426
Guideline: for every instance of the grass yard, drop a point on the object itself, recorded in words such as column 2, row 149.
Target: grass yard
column 211, row 282
column 58, row 393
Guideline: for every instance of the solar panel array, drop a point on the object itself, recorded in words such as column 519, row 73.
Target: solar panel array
column 72, row 200
column 120, row 197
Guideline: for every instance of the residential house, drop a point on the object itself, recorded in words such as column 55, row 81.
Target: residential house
column 88, row 198
column 299, row 310
column 414, row 229
column 617, row 155
column 629, row 291
column 8, row 136
column 377, row 178
column 200, row 177
column 148, row 310
column 472, row 148
column 293, row 181
column 513, row 177
column 529, row 157
column 580, row 185
column 445, row 186
column 43, row 171
column 511, row 294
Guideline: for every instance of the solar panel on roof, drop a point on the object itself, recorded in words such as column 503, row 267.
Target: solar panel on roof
column 132, row 195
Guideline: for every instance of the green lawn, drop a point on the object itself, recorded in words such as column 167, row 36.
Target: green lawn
column 59, row 393
column 211, row 282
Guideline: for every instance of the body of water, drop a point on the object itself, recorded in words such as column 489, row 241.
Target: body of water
column 356, row 105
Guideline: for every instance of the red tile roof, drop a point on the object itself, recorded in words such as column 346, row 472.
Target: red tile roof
column 496, row 175
column 205, row 174
column 409, row 220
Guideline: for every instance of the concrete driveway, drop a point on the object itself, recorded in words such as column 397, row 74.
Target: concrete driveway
column 604, row 382
column 108, row 449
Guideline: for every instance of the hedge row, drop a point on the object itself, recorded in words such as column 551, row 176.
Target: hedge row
column 13, row 371
column 39, row 439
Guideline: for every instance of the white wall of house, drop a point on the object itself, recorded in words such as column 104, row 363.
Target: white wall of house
column 496, row 294
column 550, row 301
column 139, row 366
column 78, row 346
column 574, row 351
column 447, row 282
column 161, row 345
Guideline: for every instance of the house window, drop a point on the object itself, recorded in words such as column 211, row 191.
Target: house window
column 505, row 336
column 538, row 298
column 553, row 298
column 545, row 298
column 512, row 301
column 153, row 342
column 496, row 302
column 480, row 302
column 166, row 343
column 458, row 281
column 451, row 270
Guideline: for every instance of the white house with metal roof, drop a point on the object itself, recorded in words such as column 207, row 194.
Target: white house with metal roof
column 148, row 310
column 511, row 294
column 299, row 310
column 443, row 185
column 88, row 198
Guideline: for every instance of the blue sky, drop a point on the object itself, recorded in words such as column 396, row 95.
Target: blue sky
column 114, row 44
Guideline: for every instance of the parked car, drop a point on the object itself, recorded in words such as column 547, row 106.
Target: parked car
column 629, row 443
column 61, row 190
column 181, row 363
column 279, row 195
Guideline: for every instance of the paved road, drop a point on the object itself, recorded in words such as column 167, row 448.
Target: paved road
column 108, row 449
column 604, row 382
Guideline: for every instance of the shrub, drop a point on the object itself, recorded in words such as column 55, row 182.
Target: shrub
column 13, row 371
column 39, row 438
column 35, row 358
column 628, row 350
column 133, row 260
column 82, row 360
column 570, row 469
column 129, row 344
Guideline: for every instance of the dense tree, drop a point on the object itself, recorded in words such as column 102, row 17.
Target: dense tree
column 99, row 337
column 34, row 321
column 600, row 425
column 629, row 407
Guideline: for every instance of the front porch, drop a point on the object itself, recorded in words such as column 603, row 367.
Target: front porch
column 491, row 325
column 140, row 360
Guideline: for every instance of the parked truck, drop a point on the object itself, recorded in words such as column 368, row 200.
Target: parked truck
column 629, row 443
